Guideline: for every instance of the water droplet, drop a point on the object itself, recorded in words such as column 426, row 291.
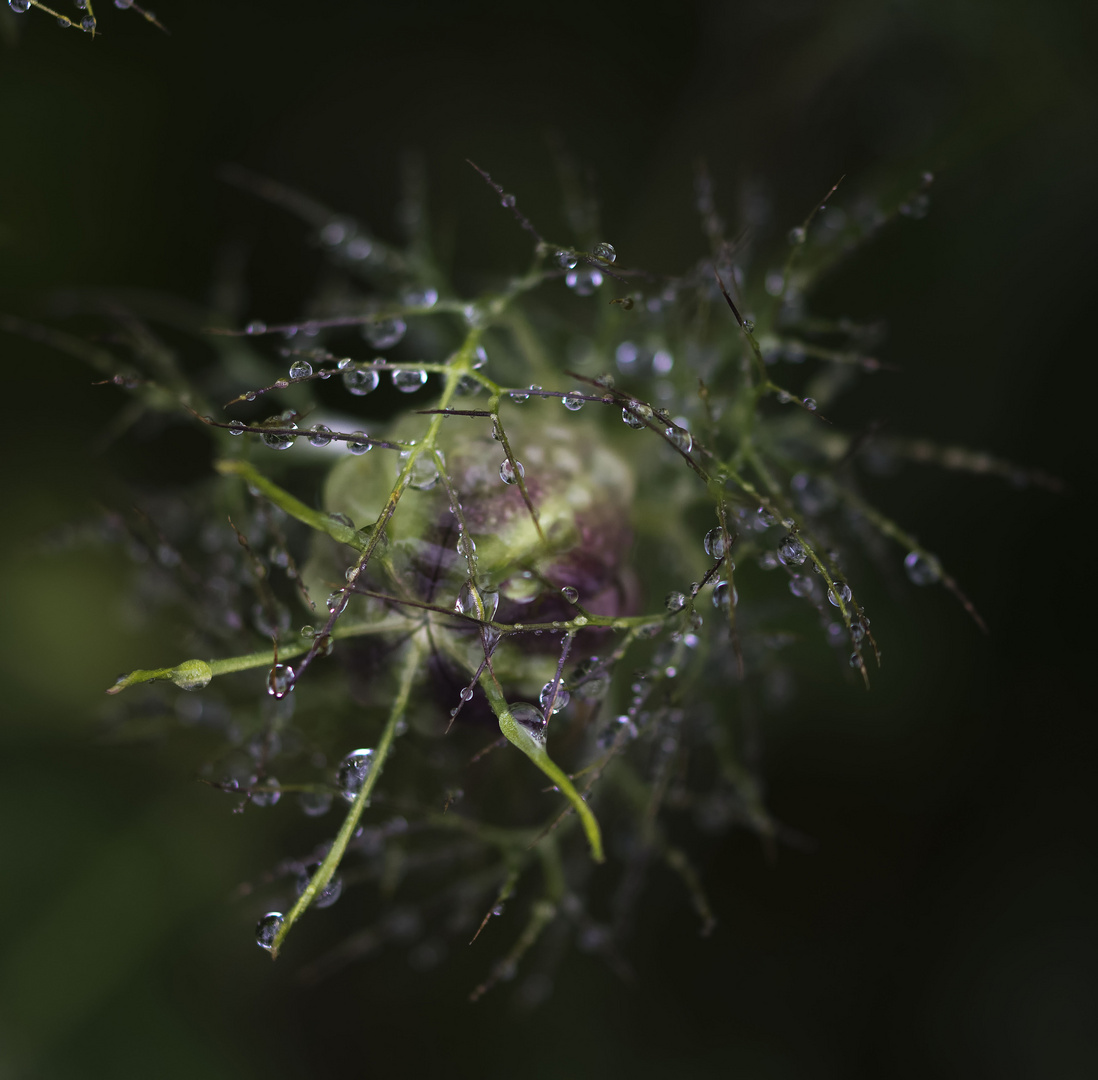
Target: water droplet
column 325, row 897
column 336, row 602
column 471, row 600
column 321, row 435
column 424, row 474
column 802, row 586
column 843, row 591
column 565, row 259
column 521, row 588
column 511, row 474
column 315, row 803
column 385, row 333
column 749, row 325
column 278, row 440
column 797, row 235
column 675, row 601
column 605, row 252
column 266, row 930
column 270, row 796
column 714, row 542
column 64, row 22
column 280, row 681
column 342, row 519
column 922, row 569
column 408, row 381
column 635, row 414
column 257, row 326
column 466, row 546
column 791, row 550
column 855, row 661
column 359, row 442
column 573, row 402
column 359, row 380
column 560, row 699
column 508, row 201
column 680, row 437
column 466, row 694
column 87, row 23
column 768, row 561
column 723, row 594
column 425, row 298
column 300, row 369
column 570, row 594
column 353, row 771
column 519, row 398
column 237, row 427
column 531, row 718
column 584, row 281
column 809, row 404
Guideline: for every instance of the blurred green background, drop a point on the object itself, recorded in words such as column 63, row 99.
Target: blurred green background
column 944, row 923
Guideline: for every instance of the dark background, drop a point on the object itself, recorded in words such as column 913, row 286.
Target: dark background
column 944, row 923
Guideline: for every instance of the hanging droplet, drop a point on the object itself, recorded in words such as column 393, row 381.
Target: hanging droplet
column 425, row 298
column 507, row 201
column 359, row 442
column 315, row 803
column 325, row 897
column 237, row 427
column 573, row 402
column 266, row 930
column 636, row 415
column 680, row 437
column 385, row 333
column 424, row 474
column 714, row 542
column 922, row 569
column 802, row 586
column 840, row 591
column 359, row 380
column 279, row 440
column 605, row 252
column 531, row 718
column 321, row 435
column 521, row 588
column 300, row 369
column 797, row 235
column 583, row 281
column 466, row 547
column 723, row 594
column 408, row 381
column 269, row 796
column 675, row 601
column 471, row 601
column 570, row 594
column 280, row 681
column 353, row 771
column 809, row 404
column 336, row 602
column 511, row 474
column 565, row 259
column 791, row 551
column 560, row 698
column 257, row 326
column 749, row 325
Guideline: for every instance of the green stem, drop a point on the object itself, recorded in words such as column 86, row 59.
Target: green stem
column 416, row 650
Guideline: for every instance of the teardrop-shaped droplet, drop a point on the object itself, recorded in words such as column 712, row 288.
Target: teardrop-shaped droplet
column 714, row 542
column 360, row 380
column 511, row 474
column 266, row 930
column 605, row 252
column 385, row 333
column 560, row 698
column 408, row 381
column 353, row 771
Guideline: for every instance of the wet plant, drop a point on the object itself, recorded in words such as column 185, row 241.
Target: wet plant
column 493, row 634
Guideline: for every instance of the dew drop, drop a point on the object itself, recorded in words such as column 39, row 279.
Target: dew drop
column 237, row 427
column 359, row 442
column 321, row 435
column 521, row 588
column 723, row 594
column 791, row 550
column 560, row 699
column 843, row 591
column 802, row 586
column 266, row 930
column 680, row 438
column 511, row 474
column 256, row 327
column 87, row 23
column 530, row 718
column 584, row 281
column 408, row 381
column 269, row 797
column 424, row 474
column 385, row 333
column 809, row 404
column 565, row 259
column 922, row 569
column 278, row 440
column 636, row 414
column 507, row 201
column 749, row 325
column 471, row 600
column 570, row 594
column 315, row 803
column 336, row 602
column 325, row 897
column 797, row 235
column 714, row 542
column 353, row 771
column 573, row 402
column 300, row 369
column 280, row 681
column 359, row 380
column 605, row 252
column 675, row 601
